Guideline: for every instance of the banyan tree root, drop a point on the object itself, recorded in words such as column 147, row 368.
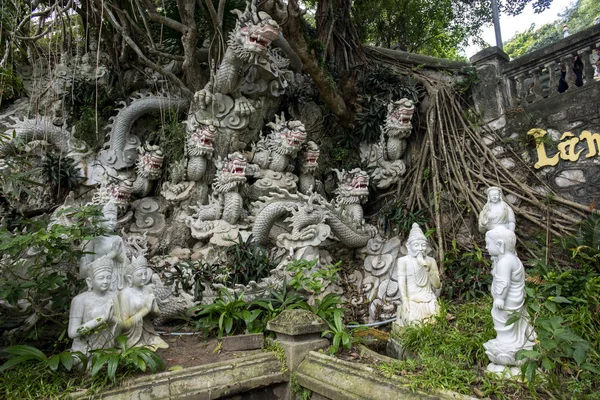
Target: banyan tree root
column 454, row 166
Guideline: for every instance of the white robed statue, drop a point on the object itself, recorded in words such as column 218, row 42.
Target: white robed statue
column 418, row 280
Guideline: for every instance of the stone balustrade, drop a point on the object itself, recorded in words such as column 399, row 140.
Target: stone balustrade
column 536, row 76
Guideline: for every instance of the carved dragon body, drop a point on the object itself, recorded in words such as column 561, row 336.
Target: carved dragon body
column 121, row 149
column 309, row 162
column 344, row 218
column 272, row 155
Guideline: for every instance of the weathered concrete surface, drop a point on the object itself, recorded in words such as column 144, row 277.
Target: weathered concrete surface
column 298, row 331
column 243, row 342
column 211, row 381
column 331, row 378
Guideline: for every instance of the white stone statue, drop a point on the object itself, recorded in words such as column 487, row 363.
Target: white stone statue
column 94, row 318
column 496, row 212
column 111, row 246
column 418, row 279
column 138, row 305
column 508, row 291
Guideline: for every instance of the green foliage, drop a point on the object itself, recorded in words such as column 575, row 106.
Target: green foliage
column 277, row 302
column 248, row 262
column 395, row 219
column 189, row 276
column 276, row 348
column 448, row 353
column 24, row 353
column 11, row 86
column 19, row 173
column 308, row 277
column 329, row 308
column 170, row 137
column 228, row 314
column 564, row 302
column 533, row 39
column 435, row 28
column 341, row 336
column 62, row 173
column 299, row 392
column 578, row 16
column 467, row 273
column 37, row 381
column 124, row 360
column 40, row 266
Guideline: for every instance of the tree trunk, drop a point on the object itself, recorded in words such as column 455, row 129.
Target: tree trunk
column 336, row 30
column 336, row 98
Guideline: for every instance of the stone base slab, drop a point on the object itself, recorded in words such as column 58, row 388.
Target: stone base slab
column 211, row 381
column 336, row 379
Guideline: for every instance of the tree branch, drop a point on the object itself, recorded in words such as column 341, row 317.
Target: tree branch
column 142, row 56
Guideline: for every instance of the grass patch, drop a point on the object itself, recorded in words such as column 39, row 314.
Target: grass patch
column 36, row 381
column 448, row 354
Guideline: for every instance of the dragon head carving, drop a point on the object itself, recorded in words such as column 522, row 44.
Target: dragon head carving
column 116, row 190
column 201, row 140
column 399, row 114
column 254, row 32
column 150, row 161
column 287, row 137
column 230, row 174
column 353, row 187
column 310, row 157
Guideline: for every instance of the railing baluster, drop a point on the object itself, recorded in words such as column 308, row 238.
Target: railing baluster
column 552, row 81
column 567, row 60
column 588, row 69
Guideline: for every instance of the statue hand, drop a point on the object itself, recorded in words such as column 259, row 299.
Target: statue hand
column 203, row 97
column 499, row 304
column 116, row 247
column 110, row 312
column 244, row 107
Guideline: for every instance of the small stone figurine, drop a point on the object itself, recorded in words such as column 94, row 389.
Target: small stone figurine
column 508, row 291
column 94, row 318
column 110, row 246
column 138, row 305
column 418, row 279
column 496, row 212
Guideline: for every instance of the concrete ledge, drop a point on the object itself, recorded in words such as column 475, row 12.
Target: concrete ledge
column 342, row 380
column 211, row 381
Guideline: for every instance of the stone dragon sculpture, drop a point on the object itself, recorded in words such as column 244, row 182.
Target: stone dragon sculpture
column 121, row 149
column 385, row 158
column 272, row 157
column 225, row 209
column 199, row 148
column 148, row 169
column 308, row 164
column 251, row 73
column 344, row 216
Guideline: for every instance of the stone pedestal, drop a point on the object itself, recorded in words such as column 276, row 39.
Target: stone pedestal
column 298, row 332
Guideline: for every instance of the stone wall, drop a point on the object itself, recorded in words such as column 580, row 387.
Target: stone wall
column 515, row 97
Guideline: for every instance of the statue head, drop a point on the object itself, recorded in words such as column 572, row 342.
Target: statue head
column 494, row 194
column 110, row 216
column 500, row 240
column 137, row 272
column 98, row 274
column 417, row 242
